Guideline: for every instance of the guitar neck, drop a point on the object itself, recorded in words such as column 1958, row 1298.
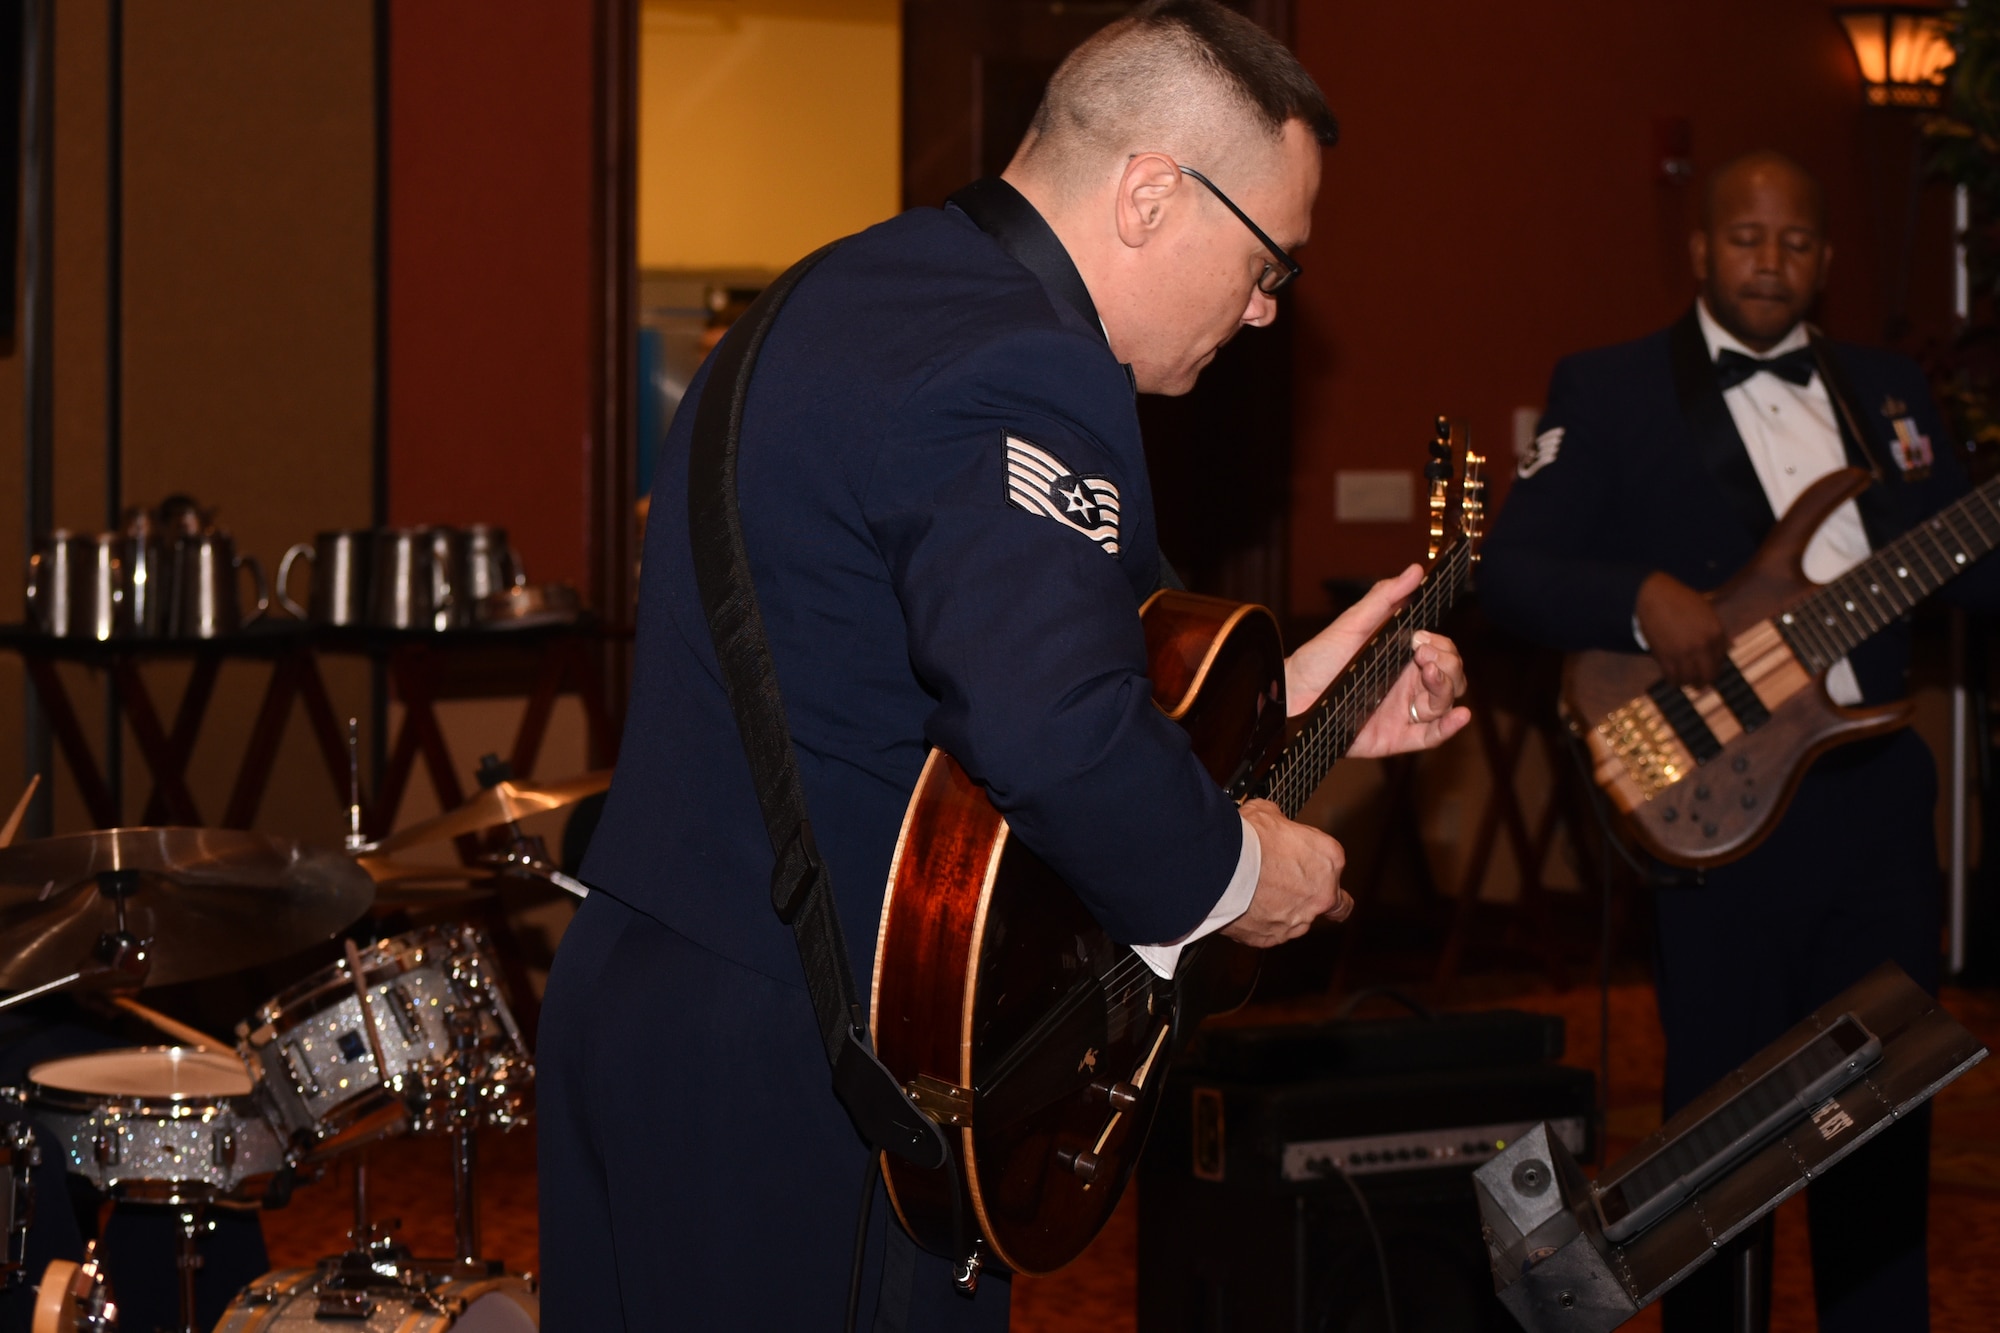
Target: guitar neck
column 1328, row 729
column 1824, row 627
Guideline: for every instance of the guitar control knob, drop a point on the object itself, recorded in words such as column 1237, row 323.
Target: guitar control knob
column 1083, row 1165
column 1701, row 792
column 1669, row 815
column 1749, row 800
column 1740, row 763
column 1708, row 830
column 1122, row 1096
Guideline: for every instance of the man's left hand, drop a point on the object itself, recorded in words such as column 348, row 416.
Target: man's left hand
column 1421, row 710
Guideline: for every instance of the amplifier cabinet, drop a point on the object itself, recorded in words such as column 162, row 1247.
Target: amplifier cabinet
column 1246, row 1224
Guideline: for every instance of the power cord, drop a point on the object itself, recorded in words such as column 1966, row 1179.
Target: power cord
column 1375, row 1238
column 868, row 1179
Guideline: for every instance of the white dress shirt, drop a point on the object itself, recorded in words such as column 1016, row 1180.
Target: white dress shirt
column 1793, row 440
column 1235, row 901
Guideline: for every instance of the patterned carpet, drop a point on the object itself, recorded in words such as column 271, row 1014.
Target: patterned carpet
column 411, row 1181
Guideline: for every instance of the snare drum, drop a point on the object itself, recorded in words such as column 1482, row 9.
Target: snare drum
column 445, row 1035
column 309, row 1300
column 163, row 1123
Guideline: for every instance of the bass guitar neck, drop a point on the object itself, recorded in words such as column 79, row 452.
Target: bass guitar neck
column 1699, row 777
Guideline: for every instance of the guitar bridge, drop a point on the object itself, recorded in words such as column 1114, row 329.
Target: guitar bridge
column 1640, row 738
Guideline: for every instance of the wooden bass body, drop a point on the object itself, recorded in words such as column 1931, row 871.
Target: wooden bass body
column 1039, row 1042
column 1697, row 810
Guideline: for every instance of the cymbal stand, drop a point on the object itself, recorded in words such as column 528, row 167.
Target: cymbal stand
column 354, row 841
column 463, row 1139
column 363, row 1234
column 120, row 957
column 193, row 1221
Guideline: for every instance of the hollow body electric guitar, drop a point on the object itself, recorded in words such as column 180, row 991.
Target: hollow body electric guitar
column 1701, row 776
column 1010, row 1015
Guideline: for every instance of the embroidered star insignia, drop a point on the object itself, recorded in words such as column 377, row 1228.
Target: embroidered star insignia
column 1041, row 483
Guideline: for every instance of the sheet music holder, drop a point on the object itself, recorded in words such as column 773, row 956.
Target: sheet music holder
column 1584, row 1256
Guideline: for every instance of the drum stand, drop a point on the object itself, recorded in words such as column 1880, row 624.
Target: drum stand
column 464, row 1192
column 193, row 1221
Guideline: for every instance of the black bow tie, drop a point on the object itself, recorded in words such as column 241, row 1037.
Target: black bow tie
column 1732, row 367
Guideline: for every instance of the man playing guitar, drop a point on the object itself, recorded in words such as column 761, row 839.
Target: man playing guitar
column 946, row 511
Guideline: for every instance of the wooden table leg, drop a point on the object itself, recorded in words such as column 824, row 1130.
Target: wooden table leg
column 55, row 706
column 325, row 721
column 535, row 720
column 167, row 755
column 260, row 756
column 411, row 670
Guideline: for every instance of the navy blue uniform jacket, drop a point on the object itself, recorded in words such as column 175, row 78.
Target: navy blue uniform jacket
column 913, row 600
column 1651, row 474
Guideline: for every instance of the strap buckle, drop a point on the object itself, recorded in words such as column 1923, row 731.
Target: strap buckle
column 797, row 869
column 880, row 1107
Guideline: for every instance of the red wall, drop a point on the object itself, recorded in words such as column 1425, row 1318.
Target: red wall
column 491, row 272
column 1491, row 207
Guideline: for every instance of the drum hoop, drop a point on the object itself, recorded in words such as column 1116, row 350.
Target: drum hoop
column 384, row 960
column 151, row 1105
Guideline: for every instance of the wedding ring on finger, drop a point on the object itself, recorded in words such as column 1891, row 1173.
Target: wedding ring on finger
column 1413, row 713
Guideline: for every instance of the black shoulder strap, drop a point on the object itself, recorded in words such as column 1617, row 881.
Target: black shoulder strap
column 1877, row 510
column 801, row 888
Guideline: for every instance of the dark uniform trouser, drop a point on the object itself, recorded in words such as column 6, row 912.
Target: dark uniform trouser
column 1849, row 879
column 696, row 1172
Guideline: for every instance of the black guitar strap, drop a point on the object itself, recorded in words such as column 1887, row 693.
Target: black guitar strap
column 801, row 887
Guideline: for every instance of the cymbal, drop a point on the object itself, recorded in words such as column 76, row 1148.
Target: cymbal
column 501, row 803
column 208, row 901
column 414, row 884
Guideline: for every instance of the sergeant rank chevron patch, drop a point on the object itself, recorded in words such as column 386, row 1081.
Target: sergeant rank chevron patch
column 1041, row 483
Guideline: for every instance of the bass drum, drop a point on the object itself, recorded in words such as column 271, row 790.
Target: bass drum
column 302, row 1300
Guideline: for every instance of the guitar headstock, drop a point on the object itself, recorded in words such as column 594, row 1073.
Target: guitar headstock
column 1471, row 490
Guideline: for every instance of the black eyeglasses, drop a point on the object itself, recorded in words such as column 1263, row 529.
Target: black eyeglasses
column 1275, row 276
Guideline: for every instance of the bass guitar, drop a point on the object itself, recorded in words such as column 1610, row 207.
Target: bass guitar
column 1012, row 1018
column 1701, row 776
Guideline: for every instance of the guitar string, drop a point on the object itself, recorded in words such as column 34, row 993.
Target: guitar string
column 1836, row 617
column 1333, row 721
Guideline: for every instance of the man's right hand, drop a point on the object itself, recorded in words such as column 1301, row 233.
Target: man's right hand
column 1681, row 629
column 1298, row 883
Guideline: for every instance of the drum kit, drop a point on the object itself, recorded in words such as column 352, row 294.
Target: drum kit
column 408, row 1035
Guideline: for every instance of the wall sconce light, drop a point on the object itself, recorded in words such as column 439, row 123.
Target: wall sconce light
column 1903, row 52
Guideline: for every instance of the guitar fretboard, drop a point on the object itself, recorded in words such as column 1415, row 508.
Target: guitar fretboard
column 1822, row 628
column 1332, row 724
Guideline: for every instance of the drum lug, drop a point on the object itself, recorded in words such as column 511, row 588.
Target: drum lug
column 21, row 1137
column 222, row 1148
column 105, row 1145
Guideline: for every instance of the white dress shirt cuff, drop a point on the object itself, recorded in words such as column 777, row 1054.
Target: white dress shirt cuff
column 1235, row 901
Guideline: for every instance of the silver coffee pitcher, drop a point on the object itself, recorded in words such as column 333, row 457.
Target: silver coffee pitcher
column 338, row 593
column 491, row 566
column 144, row 577
column 205, row 604
column 73, row 585
column 408, row 588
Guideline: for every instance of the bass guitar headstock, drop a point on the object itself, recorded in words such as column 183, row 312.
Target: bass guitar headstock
column 1471, row 491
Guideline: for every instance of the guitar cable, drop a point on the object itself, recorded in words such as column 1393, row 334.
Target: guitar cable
column 1375, row 1238
column 868, row 1179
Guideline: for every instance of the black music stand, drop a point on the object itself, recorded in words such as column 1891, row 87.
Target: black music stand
column 1553, row 1265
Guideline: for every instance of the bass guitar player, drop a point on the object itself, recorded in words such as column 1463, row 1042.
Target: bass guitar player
column 1658, row 469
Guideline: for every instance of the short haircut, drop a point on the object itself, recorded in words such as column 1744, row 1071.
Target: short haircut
column 1762, row 157
column 1167, row 70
